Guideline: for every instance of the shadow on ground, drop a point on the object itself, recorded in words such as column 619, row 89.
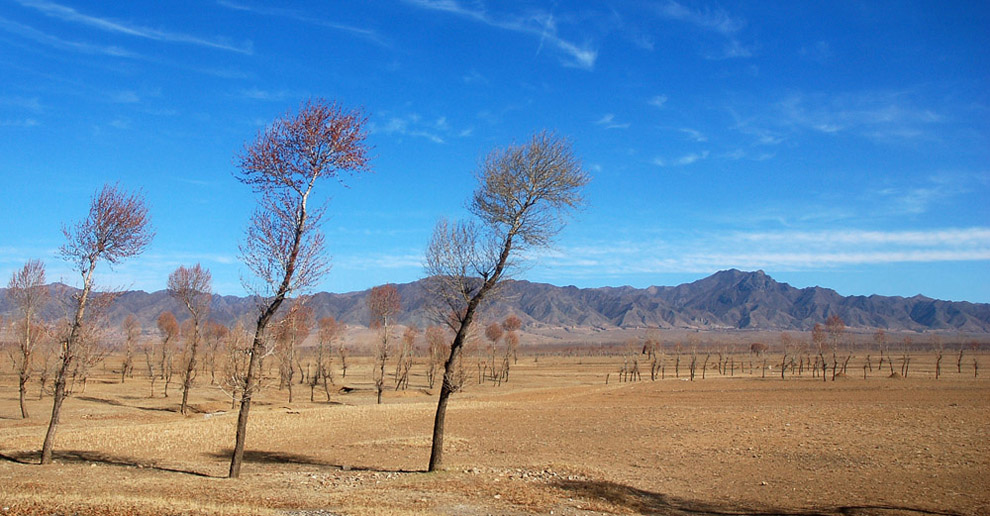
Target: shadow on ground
column 173, row 410
column 276, row 457
column 90, row 457
column 647, row 502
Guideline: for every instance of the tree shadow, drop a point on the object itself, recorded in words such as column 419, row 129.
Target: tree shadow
column 275, row 457
column 89, row 457
column 647, row 502
column 116, row 403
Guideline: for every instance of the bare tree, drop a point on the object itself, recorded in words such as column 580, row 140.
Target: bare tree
column 329, row 331
column 117, row 227
column 27, row 290
column 150, row 355
column 493, row 332
column 511, row 325
column 383, row 305
column 233, row 367
column 524, row 195
column 132, row 331
column 939, row 350
column 191, row 286
column 290, row 332
column 215, row 335
column 284, row 247
column 407, row 348
column 905, row 356
column 168, row 329
column 820, row 342
column 834, row 327
column 436, row 342
column 343, row 353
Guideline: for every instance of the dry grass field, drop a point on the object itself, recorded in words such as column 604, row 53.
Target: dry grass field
column 555, row 439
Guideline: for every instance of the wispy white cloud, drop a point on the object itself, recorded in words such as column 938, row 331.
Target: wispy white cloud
column 71, row 15
column 694, row 134
column 658, row 101
column 266, row 95
column 608, row 122
column 781, row 250
column 922, row 195
column 48, row 40
column 436, row 130
column 717, row 20
column 19, row 122
column 882, row 115
column 714, row 20
column 474, row 77
column 27, row 103
column 684, row 160
column 541, row 25
column 292, row 14
column 125, row 97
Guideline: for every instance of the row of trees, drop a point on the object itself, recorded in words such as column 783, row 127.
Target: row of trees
column 525, row 193
column 826, row 355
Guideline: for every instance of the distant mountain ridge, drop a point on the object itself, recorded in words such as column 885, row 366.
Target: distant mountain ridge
column 730, row 299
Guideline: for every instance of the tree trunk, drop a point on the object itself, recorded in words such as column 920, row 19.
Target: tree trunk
column 190, row 369
column 58, row 398
column 22, row 389
column 63, row 370
column 242, row 417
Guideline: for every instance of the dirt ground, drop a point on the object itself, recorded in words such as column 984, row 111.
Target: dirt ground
column 556, row 439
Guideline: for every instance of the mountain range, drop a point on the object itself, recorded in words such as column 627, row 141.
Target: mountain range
column 730, row 299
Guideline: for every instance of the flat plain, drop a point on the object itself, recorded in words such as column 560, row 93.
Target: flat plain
column 554, row 439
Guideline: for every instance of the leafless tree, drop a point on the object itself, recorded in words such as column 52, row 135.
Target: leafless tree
column 436, row 342
column 233, row 363
column 939, row 351
column 168, row 330
column 407, row 348
column 383, row 306
column 758, row 348
column 511, row 325
column 785, row 347
column 343, row 353
column 330, row 330
column 290, row 332
column 132, row 331
column 905, row 356
column 48, row 354
column 284, row 247
column 524, row 196
column 493, row 332
column 834, row 328
column 117, row 227
column 820, row 341
column 215, row 335
column 150, row 360
column 27, row 291
column 192, row 287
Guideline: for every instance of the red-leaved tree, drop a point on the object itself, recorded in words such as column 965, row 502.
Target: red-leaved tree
column 284, row 247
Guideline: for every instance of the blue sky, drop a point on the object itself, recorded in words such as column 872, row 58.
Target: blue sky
column 842, row 145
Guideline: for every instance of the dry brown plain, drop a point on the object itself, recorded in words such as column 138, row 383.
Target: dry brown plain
column 554, row 440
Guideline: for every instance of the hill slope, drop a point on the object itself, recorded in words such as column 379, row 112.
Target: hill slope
column 729, row 299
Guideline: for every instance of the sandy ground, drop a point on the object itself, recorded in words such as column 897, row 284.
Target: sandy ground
column 554, row 440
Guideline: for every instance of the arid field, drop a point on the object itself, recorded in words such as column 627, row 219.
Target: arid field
column 554, row 439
